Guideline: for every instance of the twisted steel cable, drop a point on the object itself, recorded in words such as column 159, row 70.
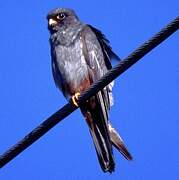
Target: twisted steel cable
column 97, row 86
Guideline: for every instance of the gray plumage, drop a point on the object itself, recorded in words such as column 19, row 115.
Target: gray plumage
column 80, row 56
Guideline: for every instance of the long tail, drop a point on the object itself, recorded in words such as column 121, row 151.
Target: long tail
column 97, row 119
column 118, row 142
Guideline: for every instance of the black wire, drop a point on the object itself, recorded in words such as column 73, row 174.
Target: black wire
column 97, row 86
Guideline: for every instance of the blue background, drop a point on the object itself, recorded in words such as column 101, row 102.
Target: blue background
column 146, row 110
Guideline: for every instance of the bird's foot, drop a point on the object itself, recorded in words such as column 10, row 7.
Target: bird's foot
column 75, row 98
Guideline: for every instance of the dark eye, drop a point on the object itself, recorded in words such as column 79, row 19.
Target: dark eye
column 61, row 16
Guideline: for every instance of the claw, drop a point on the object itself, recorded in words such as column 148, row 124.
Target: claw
column 75, row 98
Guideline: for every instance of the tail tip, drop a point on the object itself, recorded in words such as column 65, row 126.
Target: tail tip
column 110, row 168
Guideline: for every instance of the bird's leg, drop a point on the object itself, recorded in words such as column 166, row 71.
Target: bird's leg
column 75, row 98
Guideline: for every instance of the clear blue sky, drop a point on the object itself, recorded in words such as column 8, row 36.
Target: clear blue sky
column 146, row 110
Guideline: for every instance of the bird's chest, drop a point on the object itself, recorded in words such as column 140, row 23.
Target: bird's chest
column 72, row 64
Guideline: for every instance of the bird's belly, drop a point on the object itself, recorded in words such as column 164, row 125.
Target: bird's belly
column 73, row 68
column 75, row 77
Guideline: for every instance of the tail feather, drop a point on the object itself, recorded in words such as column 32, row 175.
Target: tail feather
column 118, row 142
column 96, row 117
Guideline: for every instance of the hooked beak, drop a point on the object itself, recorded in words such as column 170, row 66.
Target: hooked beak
column 52, row 22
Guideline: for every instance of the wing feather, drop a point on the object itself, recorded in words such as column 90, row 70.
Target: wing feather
column 99, row 58
column 106, row 48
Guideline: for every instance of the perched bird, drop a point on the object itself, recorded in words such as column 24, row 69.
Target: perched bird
column 80, row 56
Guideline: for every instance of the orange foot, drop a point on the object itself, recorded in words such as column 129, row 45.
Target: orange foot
column 75, row 98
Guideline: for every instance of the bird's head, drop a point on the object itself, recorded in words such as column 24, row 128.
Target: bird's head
column 61, row 19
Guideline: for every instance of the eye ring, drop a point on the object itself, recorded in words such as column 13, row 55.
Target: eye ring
column 61, row 16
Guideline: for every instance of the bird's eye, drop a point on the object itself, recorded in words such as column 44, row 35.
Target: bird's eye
column 61, row 16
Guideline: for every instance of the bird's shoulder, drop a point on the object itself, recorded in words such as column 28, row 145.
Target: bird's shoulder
column 95, row 38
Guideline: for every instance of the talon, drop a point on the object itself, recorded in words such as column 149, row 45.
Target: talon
column 75, row 98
